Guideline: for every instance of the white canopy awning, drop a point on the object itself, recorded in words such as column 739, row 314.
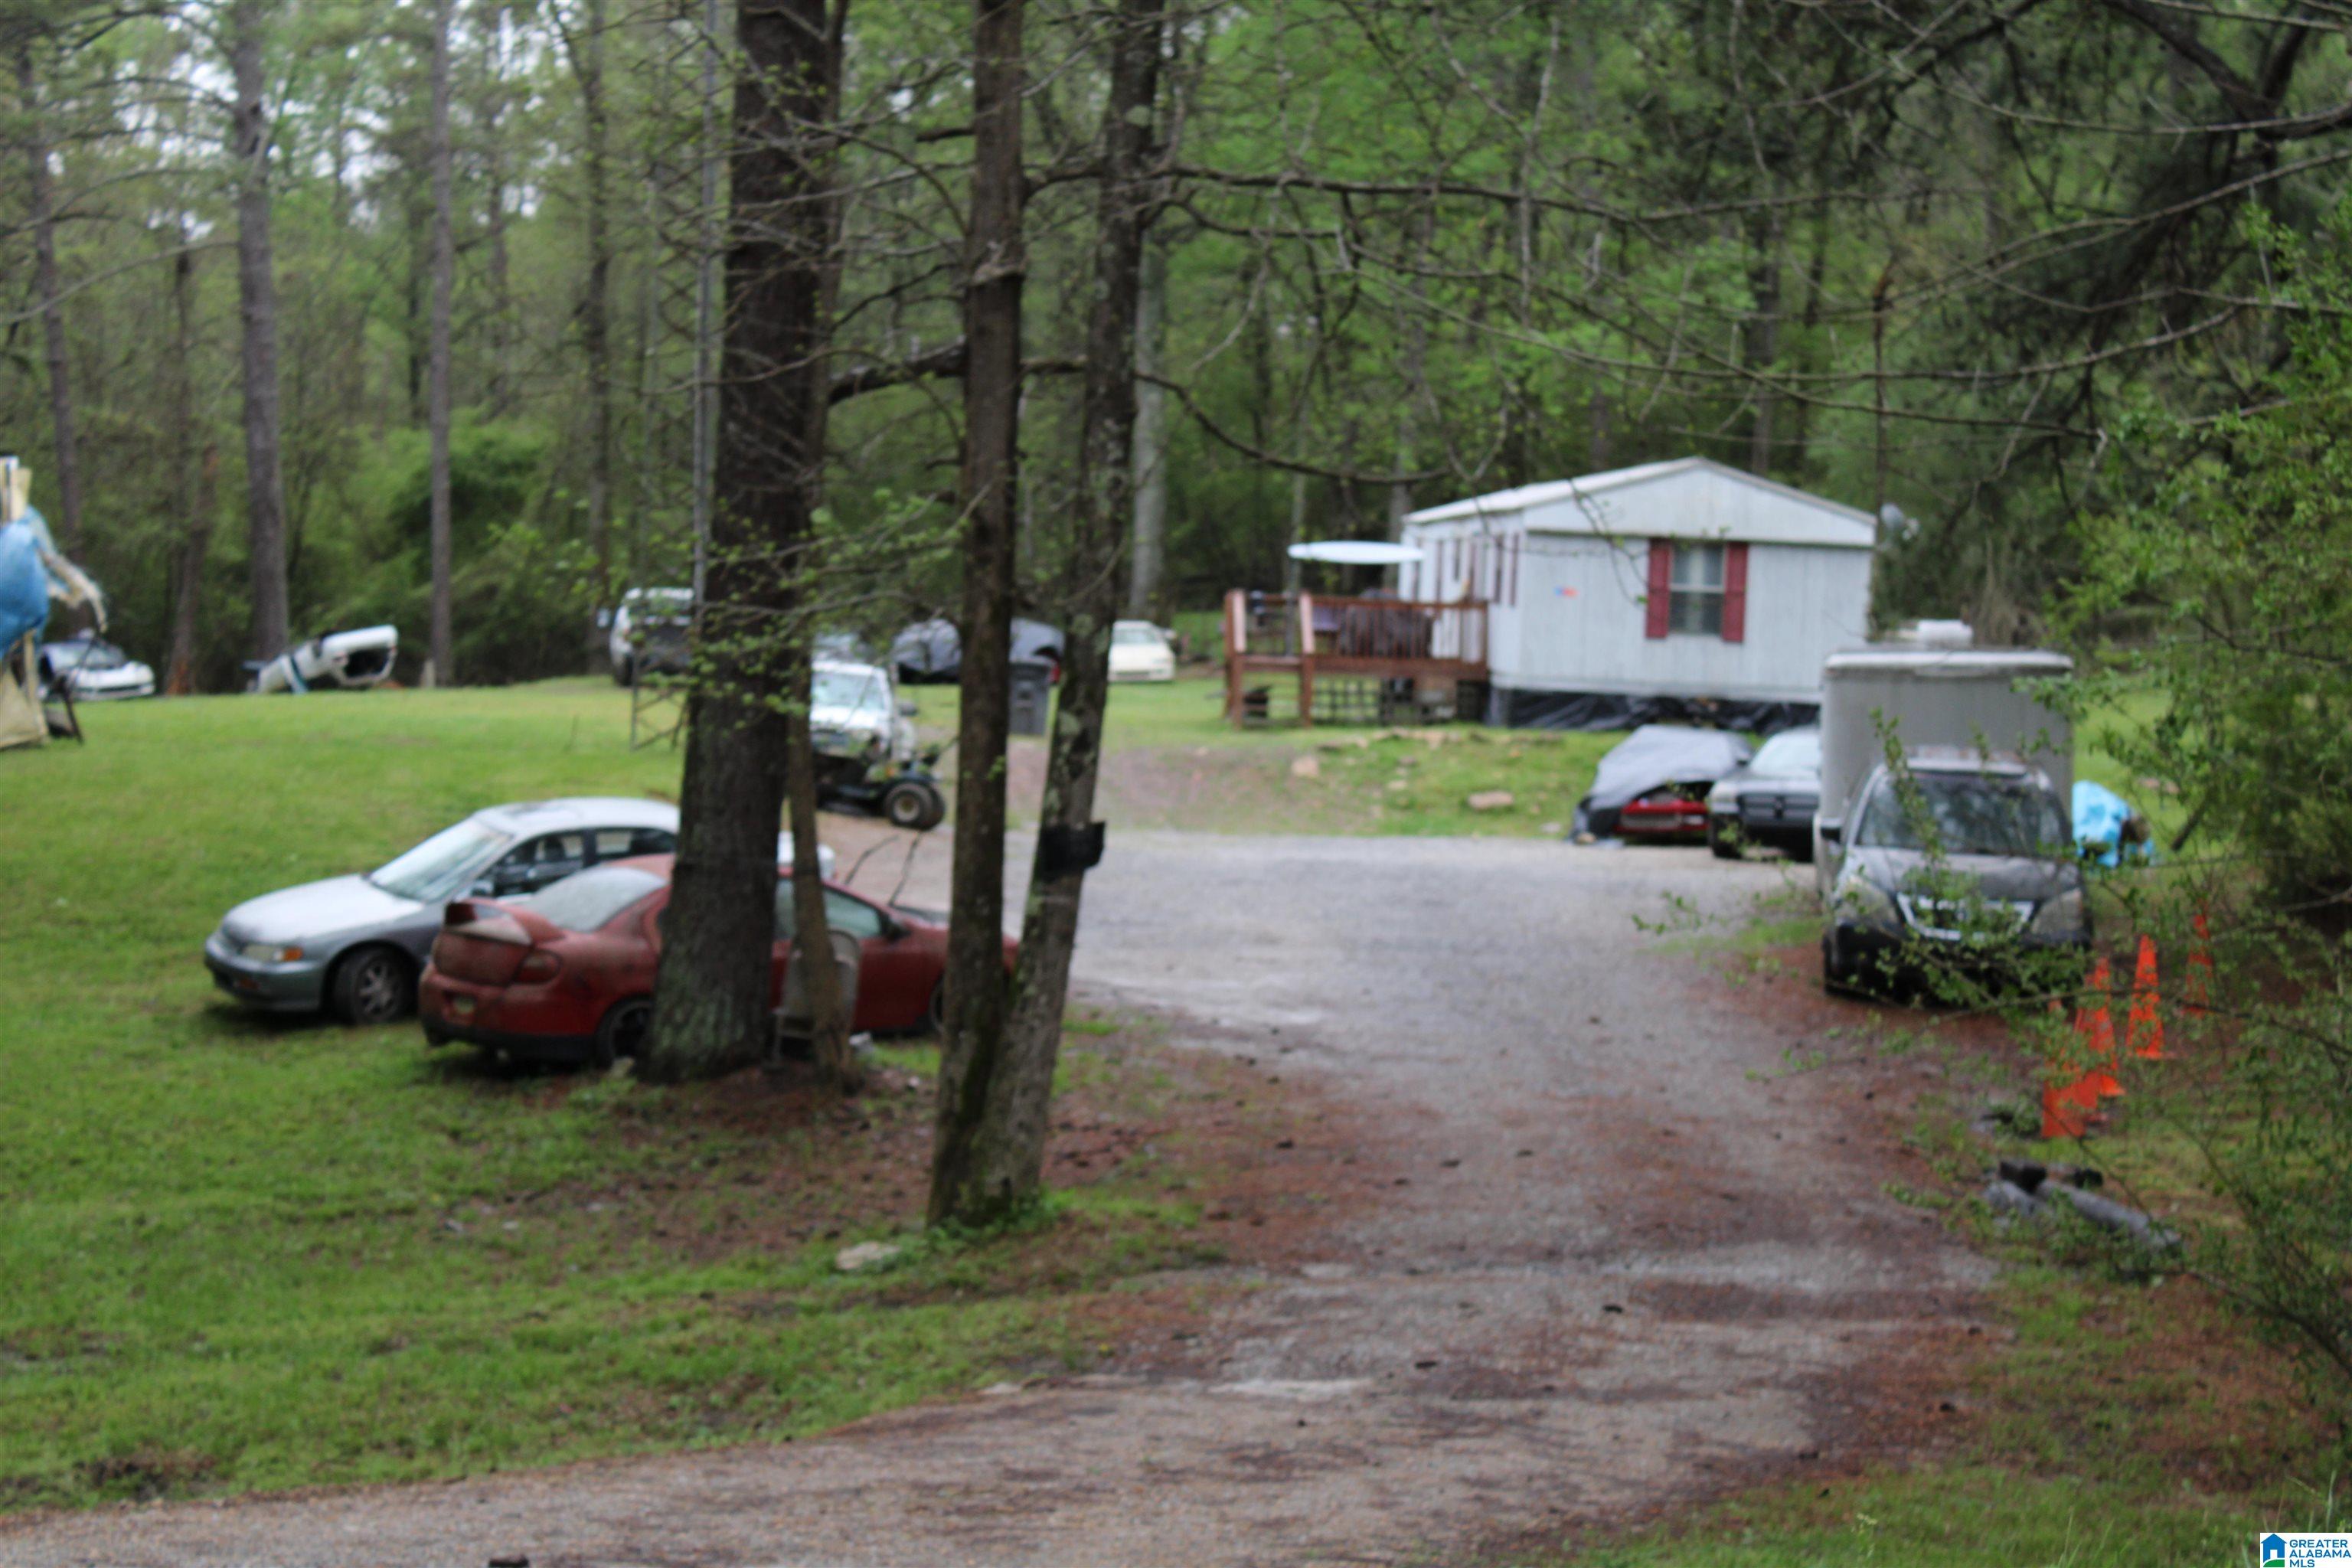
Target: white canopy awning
column 1356, row 553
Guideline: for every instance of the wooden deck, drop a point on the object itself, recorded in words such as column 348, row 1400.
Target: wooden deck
column 1308, row 636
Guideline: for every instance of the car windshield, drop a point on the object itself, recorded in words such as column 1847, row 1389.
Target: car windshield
column 1794, row 751
column 443, row 863
column 1135, row 636
column 1965, row 815
column 87, row 656
column 587, row 900
column 848, row 689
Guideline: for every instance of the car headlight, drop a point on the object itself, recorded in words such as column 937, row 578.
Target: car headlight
column 2060, row 916
column 1722, row 798
column 1858, row 900
column 269, row 953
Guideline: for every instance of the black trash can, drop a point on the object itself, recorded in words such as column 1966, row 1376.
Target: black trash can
column 1033, row 696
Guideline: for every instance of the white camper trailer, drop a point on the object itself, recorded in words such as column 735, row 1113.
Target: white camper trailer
column 1922, row 697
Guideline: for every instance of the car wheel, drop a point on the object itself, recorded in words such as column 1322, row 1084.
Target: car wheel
column 623, row 1032
column 1722, row 840
column 1800, row 849
column 1837, row 965
column 374, row 985
column 914, row 805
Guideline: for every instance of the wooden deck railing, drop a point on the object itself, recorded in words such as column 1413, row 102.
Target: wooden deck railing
column 1392, row 639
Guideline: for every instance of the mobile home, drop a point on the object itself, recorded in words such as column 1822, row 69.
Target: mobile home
column 1674, row 589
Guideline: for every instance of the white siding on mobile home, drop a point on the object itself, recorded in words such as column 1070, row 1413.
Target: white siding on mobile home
column 1682, row 580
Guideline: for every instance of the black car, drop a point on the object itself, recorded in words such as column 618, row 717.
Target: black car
column 1771, row 800
column 933, row 651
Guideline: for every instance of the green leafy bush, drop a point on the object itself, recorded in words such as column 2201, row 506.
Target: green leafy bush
column 2233, row 578
column 2239, row 567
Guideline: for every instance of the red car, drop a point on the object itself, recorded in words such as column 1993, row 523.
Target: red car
column 1677, row 811
column 568, row 974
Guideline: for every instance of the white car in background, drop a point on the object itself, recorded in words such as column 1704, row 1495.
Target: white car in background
column 94, row 669
column 1139, row 651
column 339, row 661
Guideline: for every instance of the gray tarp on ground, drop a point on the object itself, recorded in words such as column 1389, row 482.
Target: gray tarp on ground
column 1652, row 755
column 1513, row 708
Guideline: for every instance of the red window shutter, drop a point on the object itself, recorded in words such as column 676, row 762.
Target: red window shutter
column 1661, row 586
column 1735, row 592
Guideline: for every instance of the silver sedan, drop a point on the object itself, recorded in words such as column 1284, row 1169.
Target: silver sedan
column 354, row 946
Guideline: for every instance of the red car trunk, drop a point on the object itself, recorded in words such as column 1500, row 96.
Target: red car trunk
column 483, row 942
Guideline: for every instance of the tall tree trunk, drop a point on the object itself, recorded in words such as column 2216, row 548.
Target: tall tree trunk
column 500, row 389
column 1761, row 344
column 706, row 297
column 1294, row 570
column 40, row 204
column 1524, row 455
column 195, row 481
column 444, row 273
column 831, row 1011
column 1798, row 442
column 1011, row 1143
column 1416, row 370
column 1150, row 456
column 595, row 300
column 256, row 291
column 188, row 574
column 711, row 1009
column 653, row 472
column 1005, row 1163
column 996, row 264
column 1008, row 1143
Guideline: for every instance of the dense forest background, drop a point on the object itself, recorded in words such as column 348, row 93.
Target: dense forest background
column 1955, row 260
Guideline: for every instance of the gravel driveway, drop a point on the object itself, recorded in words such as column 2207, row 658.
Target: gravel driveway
column 1614, row 1261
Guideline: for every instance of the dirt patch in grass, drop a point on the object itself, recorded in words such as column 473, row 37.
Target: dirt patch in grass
column 1198, row 1148
column 145, row 1474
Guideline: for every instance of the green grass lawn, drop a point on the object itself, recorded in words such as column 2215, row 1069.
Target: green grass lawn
column 242, row 1253
column 1174, row 762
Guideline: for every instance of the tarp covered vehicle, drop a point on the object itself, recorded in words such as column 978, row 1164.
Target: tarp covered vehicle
column 865, row 742
column 933, row 650
column 1655, row 784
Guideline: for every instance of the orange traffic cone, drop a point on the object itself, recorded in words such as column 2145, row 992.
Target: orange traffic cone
column 2097, row 1038
column 2145, row 1027
column 2067, row 1108
column 2098, row 1030
column 2196, row 984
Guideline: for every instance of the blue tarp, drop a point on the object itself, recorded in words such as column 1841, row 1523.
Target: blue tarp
column 23, row 581
column 2099, row 817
